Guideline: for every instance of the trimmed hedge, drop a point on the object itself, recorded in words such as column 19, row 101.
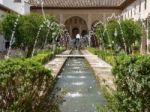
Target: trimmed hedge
column 42, row 56
column 45, row 55
column 132, row 80
column 132, row 77
column 105, row 55
column 23, row 83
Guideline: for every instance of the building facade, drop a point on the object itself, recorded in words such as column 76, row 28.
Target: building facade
column 18, row 6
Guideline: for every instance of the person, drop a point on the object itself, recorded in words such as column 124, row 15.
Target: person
column 78, row 40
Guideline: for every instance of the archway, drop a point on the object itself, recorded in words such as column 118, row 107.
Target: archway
column 76, row 25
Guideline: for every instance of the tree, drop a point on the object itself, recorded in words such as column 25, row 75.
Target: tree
column 132, row 33
column 8, row 25
column 28, row 29
column 114, row 35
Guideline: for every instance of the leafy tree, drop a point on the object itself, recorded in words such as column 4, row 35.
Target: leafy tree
column 29, row 27
column 132, row 33
column 8, row 25
column 26, row 30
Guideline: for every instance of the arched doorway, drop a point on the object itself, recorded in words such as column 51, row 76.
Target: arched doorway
column 76, row 25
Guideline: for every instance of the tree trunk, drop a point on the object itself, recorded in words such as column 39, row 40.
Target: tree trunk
column 29, row 52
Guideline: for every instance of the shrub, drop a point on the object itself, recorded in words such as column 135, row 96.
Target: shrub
column 23, row 84
column 132, row 78
column 42, row 57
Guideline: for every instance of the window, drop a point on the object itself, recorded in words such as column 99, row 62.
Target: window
column 145, row 4
column 17, row 0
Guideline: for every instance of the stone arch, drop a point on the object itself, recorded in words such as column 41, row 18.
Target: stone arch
column 76, row 22
column 94, row 23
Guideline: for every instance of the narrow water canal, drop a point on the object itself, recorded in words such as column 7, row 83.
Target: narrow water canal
column 77, row 82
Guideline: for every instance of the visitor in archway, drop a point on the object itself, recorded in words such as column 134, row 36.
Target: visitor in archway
column 78, row 41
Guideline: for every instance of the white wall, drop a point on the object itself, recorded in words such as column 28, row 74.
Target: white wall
column 21, row 8
column 2, row 13
column 136, row 14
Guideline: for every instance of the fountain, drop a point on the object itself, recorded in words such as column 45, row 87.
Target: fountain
column 118, row 18
column 36, row 39
column 78, row 87
column 12, row 39
column 115, row 33
column 105, row 30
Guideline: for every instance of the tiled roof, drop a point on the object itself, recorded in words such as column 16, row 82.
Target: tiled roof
column 77, row 3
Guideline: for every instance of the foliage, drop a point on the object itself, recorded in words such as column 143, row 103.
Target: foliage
column 8, row 25
column 132, row 78
column 114, row 35
column 105, row 55
column 23, row 84
column 132, row 33
column 119, row 35
column 102, row 36
column 44, row 56
column 26, row 30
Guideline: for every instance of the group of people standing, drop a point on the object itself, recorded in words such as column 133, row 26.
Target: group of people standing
column 79, row 42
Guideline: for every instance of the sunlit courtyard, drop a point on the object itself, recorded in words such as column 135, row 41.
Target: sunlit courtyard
column 74, row 56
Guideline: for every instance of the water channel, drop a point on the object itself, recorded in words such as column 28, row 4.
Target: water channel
column 79, row 87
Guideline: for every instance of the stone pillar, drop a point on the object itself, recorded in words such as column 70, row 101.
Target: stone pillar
column 104, row 18
column 80, row 29
column 70, row 30
column 144, row 39
column 61, row 19
column 89, row 21
column 143, row 45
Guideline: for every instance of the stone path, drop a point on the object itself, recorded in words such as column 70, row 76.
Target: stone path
column 101, row 68
column 57, row 63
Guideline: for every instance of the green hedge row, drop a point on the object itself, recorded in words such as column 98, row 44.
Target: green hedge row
column 42, row 56
column 24, row 83
column 132, row 77
column 45, row 55
column 105, row 55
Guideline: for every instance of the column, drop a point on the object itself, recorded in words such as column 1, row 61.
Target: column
column 104, row 17
column 144, row 40
column 80, row 28
column 61, row 19
column 70, row 30
column 89, row 21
